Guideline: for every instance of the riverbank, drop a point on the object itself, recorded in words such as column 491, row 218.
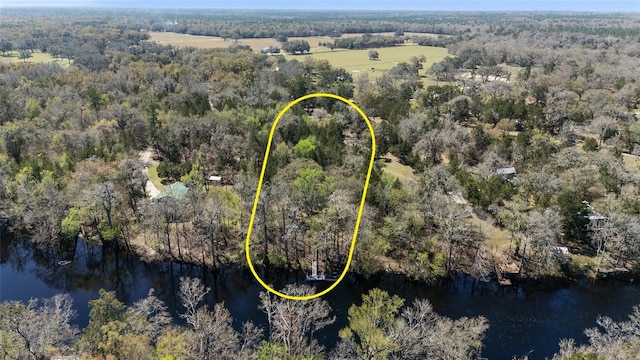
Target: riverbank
column 523, row 318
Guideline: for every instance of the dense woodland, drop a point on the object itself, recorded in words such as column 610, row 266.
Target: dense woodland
column 556, row 96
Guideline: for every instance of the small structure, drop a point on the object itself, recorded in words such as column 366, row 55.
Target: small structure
column 318, row 277
column 506, row 172
column 177, row 190
column 561, row 250
column 270, row 50
column 215, row 179
column 457, row 198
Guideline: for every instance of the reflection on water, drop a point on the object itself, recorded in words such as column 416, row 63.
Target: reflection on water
column 521, row 319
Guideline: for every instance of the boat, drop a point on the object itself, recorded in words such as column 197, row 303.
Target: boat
column 64, row 262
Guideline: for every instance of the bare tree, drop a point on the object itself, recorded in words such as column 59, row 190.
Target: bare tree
column 293, row 323
column 541, row 235
column 212, row 334
column 39, row 328
column 192, row 292
column 610, row 340
column 148, row 316
column 422, row 333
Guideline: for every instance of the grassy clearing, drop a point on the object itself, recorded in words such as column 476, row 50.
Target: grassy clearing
column 357, row 61
column 394, row 168
column 155, row 179
column 631, row 163
column 214, row 42
column 496, row 238
column 36, row 57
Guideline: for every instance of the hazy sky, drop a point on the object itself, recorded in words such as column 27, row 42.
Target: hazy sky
column 471, row 5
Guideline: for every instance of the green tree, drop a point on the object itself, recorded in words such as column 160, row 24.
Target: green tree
column 590, row 144
column 574, row 213
column 371, row 324
column 24, row 55
column 105, row 317
column 311, row 188
column 172, row 344
column 306, row 147
column 33, row 108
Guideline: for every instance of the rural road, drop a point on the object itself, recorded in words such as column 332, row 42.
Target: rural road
column 147, row 160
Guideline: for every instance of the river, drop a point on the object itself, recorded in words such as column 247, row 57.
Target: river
column 525, row 320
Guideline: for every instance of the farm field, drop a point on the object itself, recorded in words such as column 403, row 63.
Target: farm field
column 36, row 57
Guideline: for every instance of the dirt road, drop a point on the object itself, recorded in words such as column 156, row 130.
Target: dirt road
column 147, row 160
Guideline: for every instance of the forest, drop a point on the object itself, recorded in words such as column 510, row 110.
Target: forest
column 520, row 152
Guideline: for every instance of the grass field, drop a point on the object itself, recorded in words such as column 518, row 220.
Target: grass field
column 214, row 42
column 357, row 61
column 36, row 57
column 403, row 173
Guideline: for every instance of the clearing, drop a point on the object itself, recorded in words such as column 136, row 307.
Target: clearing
column 36, row 57
column 153, row 185
column 394, row 168
column 215, row 42
column 357, row 61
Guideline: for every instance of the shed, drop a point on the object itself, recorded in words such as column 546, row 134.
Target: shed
column 508, row 171
column 177, row 190
column 561, row 250
column 215, row 179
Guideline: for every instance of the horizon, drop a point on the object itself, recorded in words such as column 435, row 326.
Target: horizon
column 406, row 5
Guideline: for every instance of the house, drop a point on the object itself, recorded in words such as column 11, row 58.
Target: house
column 177, row 190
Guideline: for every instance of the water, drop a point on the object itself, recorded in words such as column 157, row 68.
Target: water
column 523, row 320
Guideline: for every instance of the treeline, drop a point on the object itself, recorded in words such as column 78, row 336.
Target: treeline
column 382, row 327
column 367, row 42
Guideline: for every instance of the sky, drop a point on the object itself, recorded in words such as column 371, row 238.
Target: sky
column 454, row 5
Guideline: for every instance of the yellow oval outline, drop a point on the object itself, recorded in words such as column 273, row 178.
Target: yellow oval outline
column 364, row 195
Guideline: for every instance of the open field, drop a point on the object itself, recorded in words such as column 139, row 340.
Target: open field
column 36, row 57
column 214, row 42
column 357, row 61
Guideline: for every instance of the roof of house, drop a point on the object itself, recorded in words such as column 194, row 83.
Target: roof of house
column 506, row 171
column 176, row 190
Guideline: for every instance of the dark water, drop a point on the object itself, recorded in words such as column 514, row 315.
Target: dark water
column 526, row 320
